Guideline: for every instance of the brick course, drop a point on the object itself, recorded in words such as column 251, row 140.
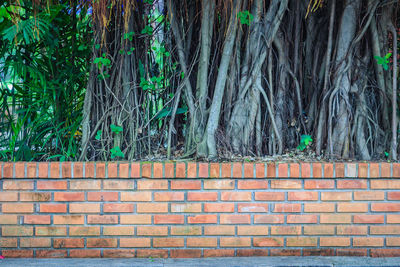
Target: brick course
column 98, row 209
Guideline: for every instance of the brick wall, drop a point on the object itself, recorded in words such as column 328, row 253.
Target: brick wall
column 199, row 209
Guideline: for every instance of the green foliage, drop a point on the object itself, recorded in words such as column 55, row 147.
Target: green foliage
column 384, row 61
column 305, row 141
column 116, row 152
column 116, row 129
column 245, row 17
column 98, row 134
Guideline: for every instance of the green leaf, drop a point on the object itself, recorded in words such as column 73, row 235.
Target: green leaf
column 116, row 129
column 116, row 152
column 388, row 55
column 98, row 135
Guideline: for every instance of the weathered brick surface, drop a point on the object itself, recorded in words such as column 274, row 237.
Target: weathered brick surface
column 99, row 209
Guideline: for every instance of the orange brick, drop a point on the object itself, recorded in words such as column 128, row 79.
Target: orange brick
column 352, row 184
column 287, row 207
column 53, row 208
column 236, row 196
column 328, row 170
column 335, row 218
column 213, row 253
column 219, row 230
column 393, row 218
column 78, row 170
column 8, row 170
column 252, row 207
column 89, row 169
column 202, row 219
column 352, row 207
column 11, row 196
column 157, row 170
column 253, row 184
column 389, row 207
column 31, row 170
column 100, row 170
column 30, row 196
column 393, row 241
column 185, row 184
column 306, row 170
column 285, row 230
column 302, row 219
column 269, row 219
column 136, row 196
column 169, row 219
column 219, row 207
column 135, row 170
column 334, row 241
column 270, row 196
column 235, row 241
column 203, row 170
column 351, row 230
column 385, row 170
column 374, row 170
column 101, row 243
column 301, row 241
column 66, row 170
column 154, row 253
column 169, row 170
column 19, row 170
column 84, row 253
column 34, row 242
column 367, row 241
column 200, row 242
column 220, row 184
column 51, row 185
column 286, row 184
column 116, row 207
column 50, row 231
column 393, row 195
column 339, row 170
column 237, row 170
column 112, row 170
column 319, row 184
column 152, row 184
column 185, row 230
column 180, row 170
column 363, row 170
column 118, row 185
column 396, row 170
column 169, row 196
column 152, row 230
column 102, row 219
column 85, row 185
column 303, row 196
column 102, row 196
column 191, row 170
column 37, row 219
column 136, row 219
column 260, row 170
column 134, row 242
column 234, row 219
column 319, row 230
column 17, row 208
column 226, row 170
column 214, row 170
column 384, row 229
column 8, row 219
column 68, row 219
column 17, row 230
column 248, row 170
column 282, row 170
column 336, row 196
column 84, row 208
column 168, row 242
column 364, row 218
column 186, row 253
column 69, row 196
column 202, row 196
column 84, row 230
column 385, row 184
column 54, row 170
column 294, row 170
column 252, row 230
column 186, row 207
column 271, row 170
column 369, row 195
column 152, row 207
column 43, row 168
column 17, row 253
column 268, row 242
column 8, row 242
column 119, row 253
column 123, row 170
column 120, row 230
column 146, row 170
column 17, row 185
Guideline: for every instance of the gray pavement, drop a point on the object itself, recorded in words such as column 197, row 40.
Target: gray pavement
column 207, row 262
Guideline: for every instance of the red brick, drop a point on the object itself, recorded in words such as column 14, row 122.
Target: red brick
column 395, row 195
column 248, row 170
column 270, row 196
column 116, row 207
column 303, row 196
column 68, row 219
column 287, row 207
column 219, row 207
column 268, row 242
column 352, row 252
column 50, row 231
column 8, row 219
column 396, row 170
column 84, row 253
column 84, row 230
column 102, row 196
column 118, row 253
column 136, row 219
column 339, row 170
column 157, row 170
column 186, row 230
column 180, row 170
column 285, row 230
column 388, row 207
column 169, row 219
column 134, row 242
column 66, row 170
column 37, row 219
column 185, row 184
column 367, row 218
column 212, row 253
column 319, row 184
column 385, row 184
column 271, row 170
column 19, row 170
column 17, row 230
column 31, row 170
column 318, row 252
column 85, row 185
column 34, row 242
column 363, row 170
column 146, row 170
column 214, row 170
column 100, row 170
column 285, row 252
column 154, row 253
column 84, row 208
column 135, row 170
column 219, row 184
column 374, row 170
column 286, row 184
column 367, row 241
column 334, row 241
column 336, row 196
column 191, row 170
column 101, row 243
column 235, row 242
column 252, row 207
column 152, row 230
column 219, row 230
column 169, row 170
column 268, row 219
column 186, row 207
column 152, row 207
column 135, row 196
column 226, row 170
column 185, row 253
column 352, row 184
column 17, row 253
column 17, row 185
column 51, row 185
column 301, row 241
column 51, row 253
column 328, row 170
column 260, row 170
column 112, row 170
column 385, row 253
column 168, row 242
column 352, row 207
column 294, row 170
column 152, row 184
column 68, row 243
column 102, row 219
column 369, row 195
column 17, row 208
column 335, row 218
column 282, row 170
column 202, row 219
column 89, row 169
column 306, row 170
column 253, row 184
column 8, row 242
column 8, row 170
column 384, row 229
column 169, row 196
column 12, row 196
column 69, row 196
column 78, row 170
column 252, row 252
column 252, row 230
column 234, row 219
column 202, row 196
column 200, row 242
column 203, row 170
column 54, row 170
column 53, row 208
column 236, row 196
column 319, row 230
column 302, row 219
column 123, row 170
column 237, row 170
